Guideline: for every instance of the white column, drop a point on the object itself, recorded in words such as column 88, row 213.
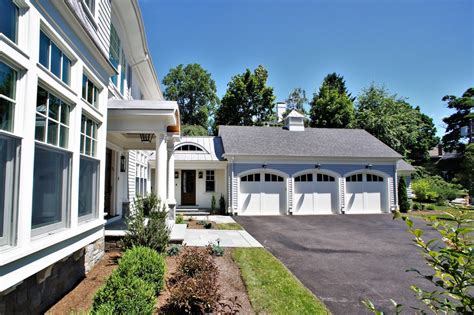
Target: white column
column 160, row 175
column 171, row 198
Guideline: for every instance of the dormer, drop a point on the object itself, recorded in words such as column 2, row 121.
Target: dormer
column 294, row 121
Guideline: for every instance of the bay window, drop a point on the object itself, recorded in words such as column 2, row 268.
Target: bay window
column 7, row 96
column 9, row 20
column 52, row 164
column 9, row 148
column 89, row 171
column 54, row 59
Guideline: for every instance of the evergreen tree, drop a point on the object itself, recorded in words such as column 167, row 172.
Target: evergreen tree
column 403, row 203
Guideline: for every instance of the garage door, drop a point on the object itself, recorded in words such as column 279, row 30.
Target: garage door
column 315, row 194
column 365, row 193
column 262, row 194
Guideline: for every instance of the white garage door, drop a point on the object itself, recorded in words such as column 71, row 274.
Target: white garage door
column 262, row 194
column 365, row 193
column 315, row 194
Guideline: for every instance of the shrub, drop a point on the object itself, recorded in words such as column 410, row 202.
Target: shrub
column 430, row 206
column 152, row 232
column 174, row 250
column 222, row 204
column 124, row 295
column 208, row 225
column 201, row 222
column 433, row 188
column 193, row 287
column 416, row 206
column 144, row 263
column 402, row 196
column 215, row 249
column 213, row 204
column 179, row 219
column 150, row 203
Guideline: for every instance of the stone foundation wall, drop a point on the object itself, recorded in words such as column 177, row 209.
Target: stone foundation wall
column 39, row 292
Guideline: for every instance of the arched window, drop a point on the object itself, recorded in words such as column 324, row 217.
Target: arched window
column 374, row 178
column 324, row 178
column 304, row 178
column 354, row 178
column 251, row 178
column 273, row 178
column 189, row 147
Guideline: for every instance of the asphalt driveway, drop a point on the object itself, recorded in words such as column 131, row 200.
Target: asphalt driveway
column 344, row 258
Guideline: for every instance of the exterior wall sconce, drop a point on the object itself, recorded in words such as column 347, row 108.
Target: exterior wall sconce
column 264, row 165
column 200, row 174
column 146, row 137
column 123, row 163
column 368, row 166
column 176, row 174
column 343, row 211
column 317, row 166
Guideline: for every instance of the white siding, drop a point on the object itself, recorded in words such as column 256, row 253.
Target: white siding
column 104, row 9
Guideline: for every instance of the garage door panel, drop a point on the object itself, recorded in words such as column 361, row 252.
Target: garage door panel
column 315, row 197
column 262, row 197
column 364, row 196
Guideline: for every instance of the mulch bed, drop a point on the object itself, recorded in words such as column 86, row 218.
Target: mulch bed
column 195, row 226
column 81, row 297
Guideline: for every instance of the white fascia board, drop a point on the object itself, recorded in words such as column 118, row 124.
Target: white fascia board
column 305, row 160
column 190, row 165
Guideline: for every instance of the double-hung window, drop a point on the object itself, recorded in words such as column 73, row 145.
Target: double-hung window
column 114, row 52
column 8, row 78
column 88, row 171
column 90, row 92
column 9, row 20
column 210, row 181
column 52, row 164
column 53, row 59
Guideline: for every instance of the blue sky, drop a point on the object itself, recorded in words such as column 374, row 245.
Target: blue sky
column 419, row 49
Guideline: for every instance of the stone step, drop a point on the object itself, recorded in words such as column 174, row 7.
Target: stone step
column 193, row 213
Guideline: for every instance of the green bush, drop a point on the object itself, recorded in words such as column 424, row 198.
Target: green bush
column 434, row 188
column 144, row 263
column 213, row 204
column 152, row 232
column 215, row 249
column 402, row 196
column 124, row 295
column 222, row 204
column 179, row 219
column 174, row 250
column 430, row 206
column 208, row 225
column 416, row 206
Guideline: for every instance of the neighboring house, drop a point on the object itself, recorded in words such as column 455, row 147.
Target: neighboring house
column 405, row 170
column 61, row 138
column 289, row 170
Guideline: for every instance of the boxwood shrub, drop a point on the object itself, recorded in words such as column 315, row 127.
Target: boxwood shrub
column 124, row 295
column 144, row 263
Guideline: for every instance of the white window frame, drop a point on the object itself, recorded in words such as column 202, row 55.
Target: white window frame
column 63, row 54
column 17, row 21
column 95, row 101
column 210, row 177
column 8, row 99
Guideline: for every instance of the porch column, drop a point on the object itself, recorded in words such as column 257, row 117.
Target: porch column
column 160, row 174
column 171, row 198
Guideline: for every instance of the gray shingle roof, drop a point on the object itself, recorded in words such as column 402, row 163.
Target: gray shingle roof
column 405, row 166
column 312, row 142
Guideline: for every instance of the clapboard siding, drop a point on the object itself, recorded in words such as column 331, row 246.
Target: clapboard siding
column 132, row 169
column 103, row 22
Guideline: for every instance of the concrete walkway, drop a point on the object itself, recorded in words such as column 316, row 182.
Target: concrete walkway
column 227, row 238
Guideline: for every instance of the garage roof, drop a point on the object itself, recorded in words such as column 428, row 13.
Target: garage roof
column 312, row 142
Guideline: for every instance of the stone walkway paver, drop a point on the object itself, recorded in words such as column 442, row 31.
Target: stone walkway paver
column 227, row 238
column 213, row 218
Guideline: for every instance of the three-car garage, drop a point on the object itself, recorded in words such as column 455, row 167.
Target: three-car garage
column 265, row 192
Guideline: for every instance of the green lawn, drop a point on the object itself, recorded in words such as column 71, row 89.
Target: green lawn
column 229, row 226
column 271, row 287
column 441, row 213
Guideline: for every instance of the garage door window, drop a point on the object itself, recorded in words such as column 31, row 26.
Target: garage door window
column 251, row 178
column 354, row 178
column 324, row 178
column 273, row 178
column 374, row 178
column 304, row 178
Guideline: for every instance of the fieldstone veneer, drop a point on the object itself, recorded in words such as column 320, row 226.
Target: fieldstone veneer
column 39, row 292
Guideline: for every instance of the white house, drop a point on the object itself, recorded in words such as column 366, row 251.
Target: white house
column 290, row 170
column 78, row 90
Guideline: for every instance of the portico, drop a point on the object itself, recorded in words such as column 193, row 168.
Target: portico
column 135, row 130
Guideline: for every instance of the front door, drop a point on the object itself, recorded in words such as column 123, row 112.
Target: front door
column 188, row 187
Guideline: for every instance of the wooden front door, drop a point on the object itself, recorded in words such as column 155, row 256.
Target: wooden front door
column 188, row 187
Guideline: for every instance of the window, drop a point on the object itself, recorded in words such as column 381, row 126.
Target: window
column 53, row 59
column 114, row 52
column 189, row 147
column 7, row 96
column 141, row 179
column 374, row 178
column 90, row 4
column 52, row 119
column 51, row 189
column 273, row 178
column 324, row 178
column 89, row 130
column 123, row 71
column 9, row 20
column 90, row 92
column 8, row 176
column 304, row 178
column 251, row 178
column 354, row 178
column 210, row 181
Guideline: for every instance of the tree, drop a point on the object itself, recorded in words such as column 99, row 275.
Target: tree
column 296, row 100
column 395, row 122
column 193, row 130
column 195, row 92
column 248, row 100
column 402, row 196
column 467, row 169
column 332, row 106
column 453, row 140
